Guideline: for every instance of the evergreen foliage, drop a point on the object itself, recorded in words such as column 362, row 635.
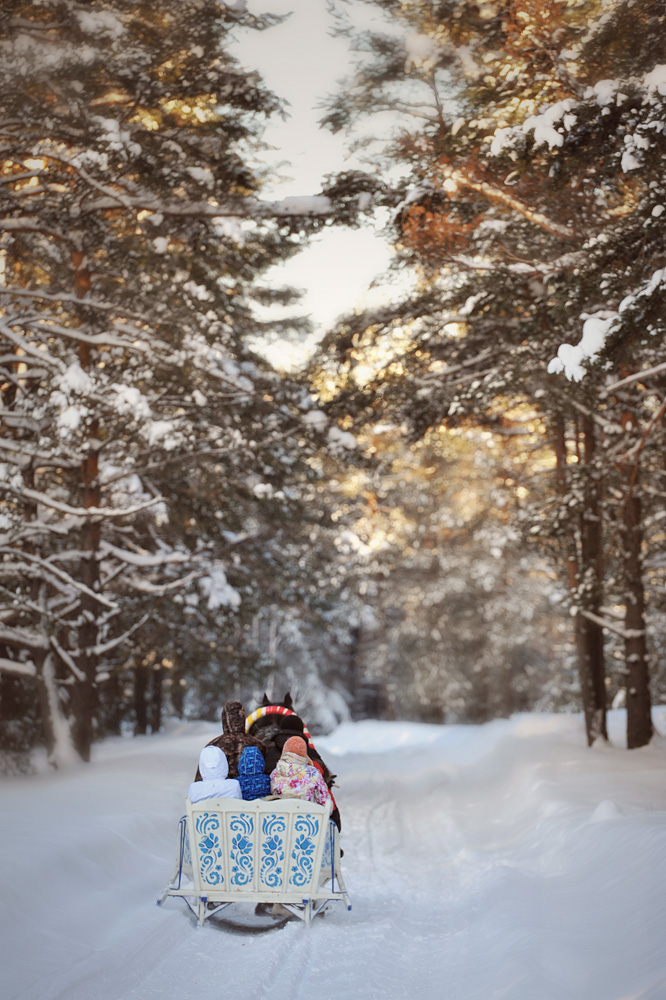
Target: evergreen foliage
column 531, row 214
column 152, row 464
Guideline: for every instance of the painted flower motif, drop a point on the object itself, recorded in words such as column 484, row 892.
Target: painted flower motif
column 304, row 844
column 241, row 843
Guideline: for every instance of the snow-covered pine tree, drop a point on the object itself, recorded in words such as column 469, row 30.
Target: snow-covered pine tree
column 532, row 215
column 132, row 241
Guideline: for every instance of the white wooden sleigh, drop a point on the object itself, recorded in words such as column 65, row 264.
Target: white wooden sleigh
column 262, row 851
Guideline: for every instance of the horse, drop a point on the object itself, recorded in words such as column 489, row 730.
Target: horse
column 274, row 722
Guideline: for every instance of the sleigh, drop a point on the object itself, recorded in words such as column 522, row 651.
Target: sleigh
column 282, row 851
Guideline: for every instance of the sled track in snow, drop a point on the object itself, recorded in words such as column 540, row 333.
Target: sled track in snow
column 504, row 861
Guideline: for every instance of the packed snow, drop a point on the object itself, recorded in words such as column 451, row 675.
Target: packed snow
column 501, row 861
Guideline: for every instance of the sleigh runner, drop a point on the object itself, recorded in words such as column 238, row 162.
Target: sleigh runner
column 262, row 851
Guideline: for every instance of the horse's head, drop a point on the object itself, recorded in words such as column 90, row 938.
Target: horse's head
column 265, row 721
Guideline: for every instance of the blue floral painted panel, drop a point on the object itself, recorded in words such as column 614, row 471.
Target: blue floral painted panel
column 306, row 829
column 327, row 855
column 209, row 843
column 242, row 865
column 272, row 850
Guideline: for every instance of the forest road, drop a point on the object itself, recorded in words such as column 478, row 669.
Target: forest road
column 501, row 862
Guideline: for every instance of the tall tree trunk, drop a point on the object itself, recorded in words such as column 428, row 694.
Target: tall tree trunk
column 85, row 699
column 156, row 698
column 140, row 699
column 639, row 718
column 178, row 690
column 584, row 572
column 591, row 580
column 111, row 703
column 56, row 723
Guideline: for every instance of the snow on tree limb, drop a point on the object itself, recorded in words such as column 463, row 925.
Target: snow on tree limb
column 61, row 575
column 22, row 668
column 145, row 587
column 66, row 658
column 49, row 328
column 92, row 513
column 144, row 559
column 15, row 292
column 612, row 626
column 107, row 647
column 22, row 638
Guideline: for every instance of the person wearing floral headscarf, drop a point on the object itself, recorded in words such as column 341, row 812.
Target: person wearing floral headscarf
column 294, row 776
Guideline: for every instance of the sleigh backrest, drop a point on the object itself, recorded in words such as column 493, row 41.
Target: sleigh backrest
column 275, row 846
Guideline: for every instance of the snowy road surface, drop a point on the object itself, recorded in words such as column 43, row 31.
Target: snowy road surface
column 501, row 862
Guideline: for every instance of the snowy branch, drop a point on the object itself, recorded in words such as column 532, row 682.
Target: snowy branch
column 50, row 328
column 84, row 512
column 22, row 638
column 61, row 575
column 106, row 647
column 626, row 633
column 25, row 669
column 637, row 377
column 307, row 206
column 89, row 303
column 29, row 224
column 144, row 587
column 42, row 356
column 27, row 455
column 66, row 658
column 144, row 559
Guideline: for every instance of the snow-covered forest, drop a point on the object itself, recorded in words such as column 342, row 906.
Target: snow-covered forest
column 454, row 510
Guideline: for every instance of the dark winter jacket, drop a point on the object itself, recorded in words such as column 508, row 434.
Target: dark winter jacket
column 254, row 782
column 234, row 739
column 335, row 812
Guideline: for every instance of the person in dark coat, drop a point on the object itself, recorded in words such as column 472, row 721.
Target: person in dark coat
column 335, row 812
column 234, row 739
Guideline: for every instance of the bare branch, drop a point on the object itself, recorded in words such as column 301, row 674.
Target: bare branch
column 637, row 377
column 493, row 193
